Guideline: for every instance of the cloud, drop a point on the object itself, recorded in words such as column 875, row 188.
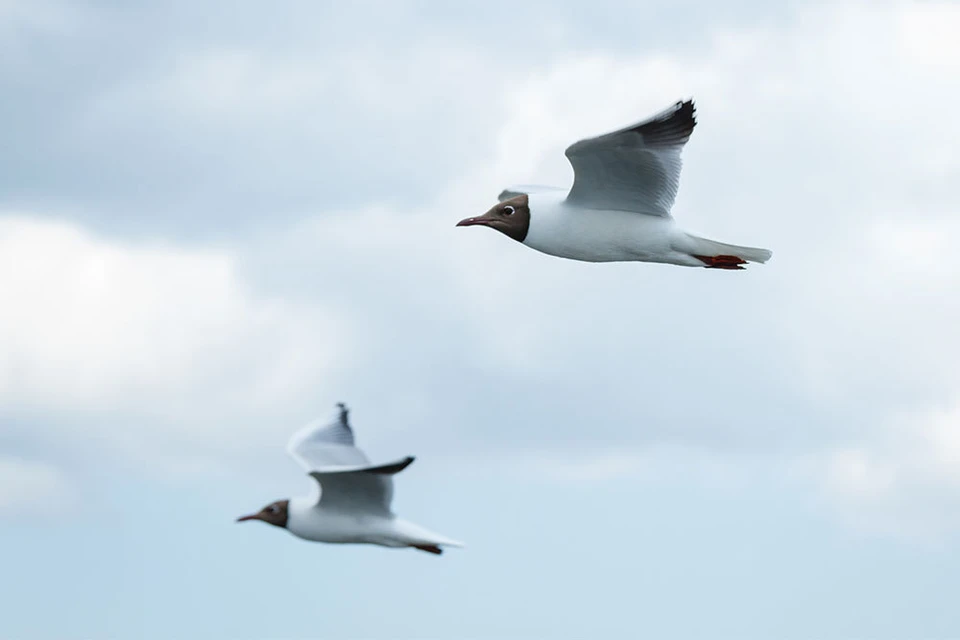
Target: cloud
column 826, row 141
column 926, row 34
column 104, row 332
column 233, row 124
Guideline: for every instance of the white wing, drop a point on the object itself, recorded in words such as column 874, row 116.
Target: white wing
column 636, row 168
column 322, row 444
column 348, row 482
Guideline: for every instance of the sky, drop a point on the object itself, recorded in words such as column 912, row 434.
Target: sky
column 219, row 219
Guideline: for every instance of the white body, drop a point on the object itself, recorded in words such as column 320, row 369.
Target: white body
column 565, row 230
column 310, row 521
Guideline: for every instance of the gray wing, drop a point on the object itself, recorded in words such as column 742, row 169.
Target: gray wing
column 368, row 490
column 636, row 168
column 348, row 482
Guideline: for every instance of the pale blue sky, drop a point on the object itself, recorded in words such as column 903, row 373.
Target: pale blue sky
column 219, row 219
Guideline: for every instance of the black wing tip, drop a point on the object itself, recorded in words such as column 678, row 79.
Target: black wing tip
column 681, row 109
column 343, row 419
column 390, row 469
column 671, row 126
column 430, row 548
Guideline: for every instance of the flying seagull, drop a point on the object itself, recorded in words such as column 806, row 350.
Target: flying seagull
column 618, row 208
column 353, row 505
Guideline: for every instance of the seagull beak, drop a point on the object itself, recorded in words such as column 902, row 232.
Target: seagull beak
column 469, row 222
column 253, row 516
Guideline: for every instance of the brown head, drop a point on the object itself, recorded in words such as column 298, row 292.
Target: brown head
column 510, row 217
column 274, row 513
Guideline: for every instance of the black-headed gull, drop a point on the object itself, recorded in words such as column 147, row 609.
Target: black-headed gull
column 618, row 208
column 354, row 498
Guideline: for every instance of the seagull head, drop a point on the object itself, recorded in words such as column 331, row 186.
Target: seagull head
column 510, row 217
column 274, row 513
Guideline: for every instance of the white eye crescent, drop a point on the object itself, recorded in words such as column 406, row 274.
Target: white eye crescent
column 508, row 210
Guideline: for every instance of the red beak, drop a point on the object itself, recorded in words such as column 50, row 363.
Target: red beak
column 253, row 516
column 469, row 222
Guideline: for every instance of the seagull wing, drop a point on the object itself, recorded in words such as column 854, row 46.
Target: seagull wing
column 348, row 482
column 368, row 490
column 322, row 444
column 636, row 168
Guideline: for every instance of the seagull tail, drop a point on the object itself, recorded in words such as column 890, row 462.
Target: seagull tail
column 421, row 538
column 719, row 255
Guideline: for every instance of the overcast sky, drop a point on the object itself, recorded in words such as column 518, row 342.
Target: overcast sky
column 219, row 219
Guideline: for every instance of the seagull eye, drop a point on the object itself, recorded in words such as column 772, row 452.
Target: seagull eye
column 508, row 210
column 271, row 509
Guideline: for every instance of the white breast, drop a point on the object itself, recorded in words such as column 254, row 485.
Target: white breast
column 307, row 521
column 592, row 235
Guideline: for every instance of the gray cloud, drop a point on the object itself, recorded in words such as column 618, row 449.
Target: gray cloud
column 167, row 120
column 330, row 184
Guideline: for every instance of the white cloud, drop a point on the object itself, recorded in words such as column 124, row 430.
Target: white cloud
column 927, row 34
column 829, row 141
column 102, row 333
column 836, row 146
column 802, row 147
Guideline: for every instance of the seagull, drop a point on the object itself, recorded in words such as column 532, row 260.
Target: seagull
column 354, row 499
column 618, row 208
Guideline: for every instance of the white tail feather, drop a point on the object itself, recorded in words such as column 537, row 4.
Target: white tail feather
column 415, row 534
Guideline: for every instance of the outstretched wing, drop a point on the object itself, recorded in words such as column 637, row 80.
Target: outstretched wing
column 634, row 169
column 368, row 490
column 348, row 482
column 323, row 444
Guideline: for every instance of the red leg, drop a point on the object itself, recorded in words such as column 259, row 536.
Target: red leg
column 722, row 262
